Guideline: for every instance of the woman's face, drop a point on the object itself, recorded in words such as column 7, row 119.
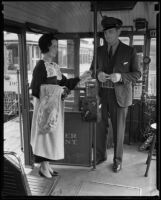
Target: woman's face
column 53, row 49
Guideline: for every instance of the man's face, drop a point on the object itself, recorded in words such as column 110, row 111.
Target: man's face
column 111, row 35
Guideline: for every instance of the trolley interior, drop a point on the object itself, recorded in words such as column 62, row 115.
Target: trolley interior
column 74, row 24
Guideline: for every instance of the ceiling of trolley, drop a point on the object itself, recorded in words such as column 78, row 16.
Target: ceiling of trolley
column 73, row 16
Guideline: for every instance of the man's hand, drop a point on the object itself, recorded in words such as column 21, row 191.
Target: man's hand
column 115, row 77
column 102, row 77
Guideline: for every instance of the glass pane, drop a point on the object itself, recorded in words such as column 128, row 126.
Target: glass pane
column 138, row 40
column 86, row 54
column 138, row 43
column 66, row 54
column 33, row 52
column 152, row 69
column 11, row 62
column 13, row 127
column 125, row 40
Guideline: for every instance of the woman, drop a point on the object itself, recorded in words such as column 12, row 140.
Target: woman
column 49, row 88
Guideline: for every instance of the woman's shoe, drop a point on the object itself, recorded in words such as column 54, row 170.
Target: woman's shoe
column 54, row 173
column 44, row 175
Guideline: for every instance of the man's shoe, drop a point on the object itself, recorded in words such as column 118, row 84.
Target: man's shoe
column 116, row 167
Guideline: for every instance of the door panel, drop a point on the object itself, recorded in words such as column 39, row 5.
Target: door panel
column 13, row 126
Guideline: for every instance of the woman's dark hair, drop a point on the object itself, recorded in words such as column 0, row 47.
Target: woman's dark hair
column 45, row 42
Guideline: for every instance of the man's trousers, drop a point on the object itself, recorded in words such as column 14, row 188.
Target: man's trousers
column 118, row 116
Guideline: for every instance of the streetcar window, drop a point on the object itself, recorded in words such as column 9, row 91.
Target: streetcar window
column 66, row 61
column 138, row 40
column 125, row 40
column 11, row 52
column 85, row 54
column 33, row 52
column 138, row 43
column 11, row 67
column 152, row 69
column 66, row 53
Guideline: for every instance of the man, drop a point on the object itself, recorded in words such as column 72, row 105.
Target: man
column 117, row 68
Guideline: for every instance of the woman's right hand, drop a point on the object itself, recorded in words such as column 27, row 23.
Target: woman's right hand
column 65, row 93
column 86, row 76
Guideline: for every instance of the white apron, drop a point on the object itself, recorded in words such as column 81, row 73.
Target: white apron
column 47, row 130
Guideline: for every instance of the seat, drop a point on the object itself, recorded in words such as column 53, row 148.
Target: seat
column 17, row 183
column 149, row 158
column 14, row 178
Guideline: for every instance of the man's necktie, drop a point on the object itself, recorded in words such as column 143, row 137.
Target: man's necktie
column 110, row 53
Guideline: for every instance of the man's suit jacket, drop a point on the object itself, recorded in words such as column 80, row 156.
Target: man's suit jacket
column 124, row 61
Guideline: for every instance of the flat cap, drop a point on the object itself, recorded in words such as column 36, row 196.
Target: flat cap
column 110, row 22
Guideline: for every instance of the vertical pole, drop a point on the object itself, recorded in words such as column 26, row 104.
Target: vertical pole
column 158, row 95
column 19, row 110
column 95, row 38
column 95, row 65
column 25, row 99
column 76, row 64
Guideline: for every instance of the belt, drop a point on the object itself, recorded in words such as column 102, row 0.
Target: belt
column 107, row 84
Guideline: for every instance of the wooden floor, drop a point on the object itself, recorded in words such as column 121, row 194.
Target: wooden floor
column 40, row 186
column 84, row 181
